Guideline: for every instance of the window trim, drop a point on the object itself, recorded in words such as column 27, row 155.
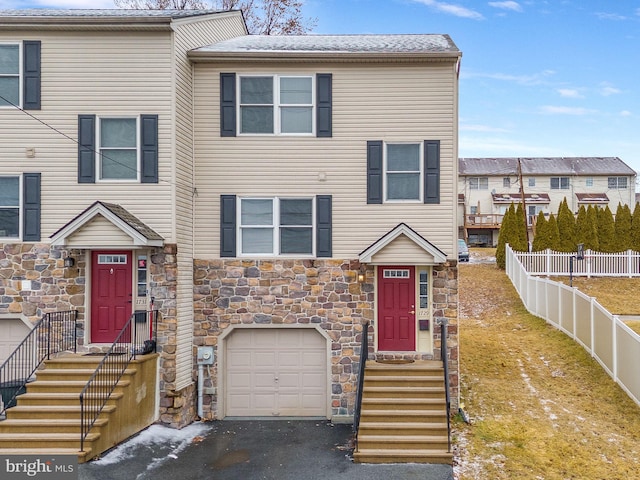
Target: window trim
column 20, row 208
column 617, row 186
column 98, row 154
column 532, row 181
column 276, row 226
column 277, row 105
column 385, row 172
column 478, row 184
column 560, row 179
column 20, row 74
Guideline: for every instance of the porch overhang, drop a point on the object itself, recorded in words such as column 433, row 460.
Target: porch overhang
column 106, row 225
column 402, row 246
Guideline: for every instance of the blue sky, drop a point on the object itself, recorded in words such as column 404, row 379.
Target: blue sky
column 538, row 78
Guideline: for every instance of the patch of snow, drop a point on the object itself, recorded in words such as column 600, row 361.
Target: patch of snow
column 155, row 435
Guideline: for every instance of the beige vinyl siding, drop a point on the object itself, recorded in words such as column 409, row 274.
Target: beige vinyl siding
column 188, row 35
column 392, row 103
column 402, row 250
column 102, row 73
column 99, row 232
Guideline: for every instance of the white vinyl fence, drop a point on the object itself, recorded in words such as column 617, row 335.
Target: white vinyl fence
column 614, row 345
column 594, row 264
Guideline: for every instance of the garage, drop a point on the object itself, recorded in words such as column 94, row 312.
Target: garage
column 276, row 372
column 12, row 332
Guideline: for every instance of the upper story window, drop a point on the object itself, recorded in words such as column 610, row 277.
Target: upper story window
column 276, row 104
column 479, row 183
column 10, row 68
column 506, row 182
column 118, row 148
column 617, row 182
column 10, row 207
column 588, row 182
column 403, row 171
column 276, row 226
column 532, row 182
column 559, row 183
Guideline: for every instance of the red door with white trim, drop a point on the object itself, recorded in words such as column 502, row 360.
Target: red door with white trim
column 396, row 309
column 111, row 294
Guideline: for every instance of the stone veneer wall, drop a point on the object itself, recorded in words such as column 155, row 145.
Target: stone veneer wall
column 323, row 292
column 53, row 287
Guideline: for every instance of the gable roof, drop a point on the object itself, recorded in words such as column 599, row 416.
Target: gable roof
column 121, row 218
column 402, row 229
column 546, row 166
column 409, row 47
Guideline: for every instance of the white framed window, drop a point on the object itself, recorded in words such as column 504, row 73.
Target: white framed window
column 617, row 182
column 403, row 172
column 398, row 273
column 559, row 183
column 423, row 276
column 276, row 226
column 588, row 182
column 118, row 148
column 104, row 259
column 532, row 182
column 276, row 104
column 10, row 68
column 506, row 182
column 10, row 207
column 479, row 183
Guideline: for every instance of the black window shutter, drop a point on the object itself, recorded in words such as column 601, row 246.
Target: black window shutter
column 324, row 105
column 227, row 104
column 432, row 171
column 374, row 171
column 227, row 225
column 149, row 148
column 323, row 226
column 31, row 75
column 86, row 148
column 31, row 207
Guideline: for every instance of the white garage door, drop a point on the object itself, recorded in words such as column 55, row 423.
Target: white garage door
column 276, row 372
column 12, row 332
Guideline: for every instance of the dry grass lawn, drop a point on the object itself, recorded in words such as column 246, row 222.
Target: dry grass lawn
column 540, row 407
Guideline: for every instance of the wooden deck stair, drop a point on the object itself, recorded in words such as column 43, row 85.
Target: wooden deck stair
column 46, row 419
column 404, row 415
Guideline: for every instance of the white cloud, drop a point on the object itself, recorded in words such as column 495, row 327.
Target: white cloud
column 569, row 93
column 470, row 146
column 481, row 128
column 607, row 90
column 508, row 5
column 532, row 79
column 451, row 9
column 625, row 113
column 610, row 16
column 556, row 110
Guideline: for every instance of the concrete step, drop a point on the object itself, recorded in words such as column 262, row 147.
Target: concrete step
column 49, row 412
column 402, row 403
column 428, row 415
column 71, row 386
column 402, row 442
column 403, row 456
column 44, row 440
column 59, row 398
column 423, row 381
column 83, row 456
column 403, row 428
column 405, row 392
column 53, row 425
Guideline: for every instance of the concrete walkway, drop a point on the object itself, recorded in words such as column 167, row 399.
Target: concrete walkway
column 246, row 450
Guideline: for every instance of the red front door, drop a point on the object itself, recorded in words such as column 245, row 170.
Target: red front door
column 111, row 306
column 396, row 309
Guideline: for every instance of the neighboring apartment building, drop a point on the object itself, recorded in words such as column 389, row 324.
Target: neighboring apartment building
column 268, row 195
column 488, row 186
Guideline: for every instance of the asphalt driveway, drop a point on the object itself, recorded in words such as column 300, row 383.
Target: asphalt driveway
column 246, row 450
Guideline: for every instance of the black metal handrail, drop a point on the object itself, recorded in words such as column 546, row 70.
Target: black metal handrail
column 55, row 332
column 137, row 337
column 364, row 355
column 445, row 365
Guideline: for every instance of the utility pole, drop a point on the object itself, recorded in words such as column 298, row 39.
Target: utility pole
column 524, row 204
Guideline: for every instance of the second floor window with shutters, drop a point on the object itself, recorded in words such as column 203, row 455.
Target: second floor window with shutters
column 403, row 173
column 118, row 147
column 9, row 74
column 276, row 104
